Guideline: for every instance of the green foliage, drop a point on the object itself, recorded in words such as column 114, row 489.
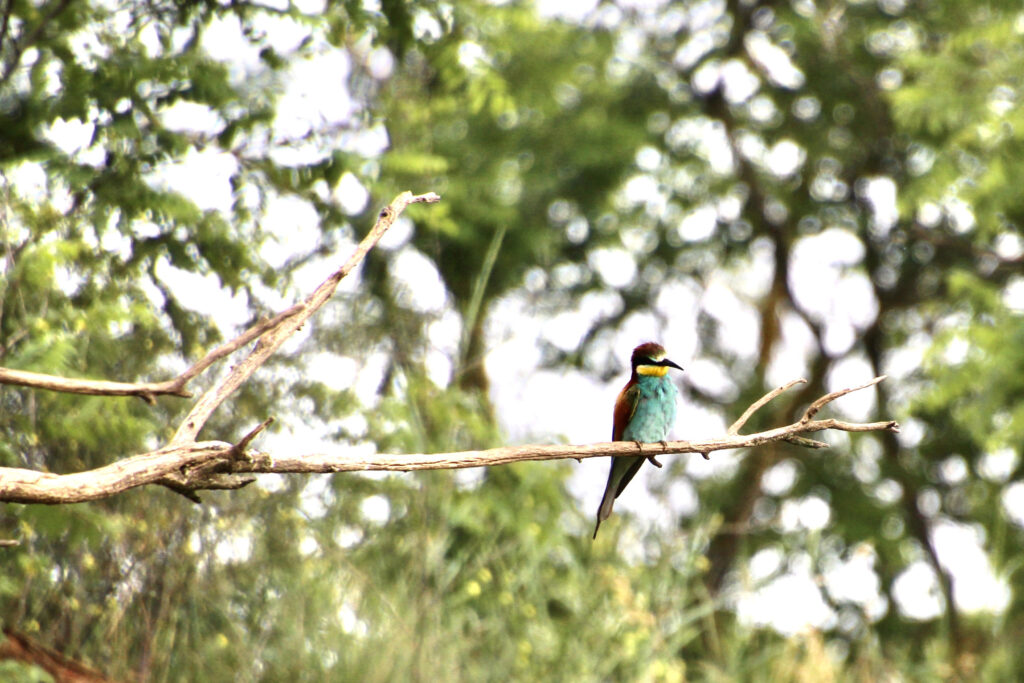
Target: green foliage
column 18, row 673
column 536, row 132
column 512, row 142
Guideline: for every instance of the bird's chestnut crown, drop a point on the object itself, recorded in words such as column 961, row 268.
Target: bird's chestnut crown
column 649, row 359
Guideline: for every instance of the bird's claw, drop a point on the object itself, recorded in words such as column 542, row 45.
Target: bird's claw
column 651, row 458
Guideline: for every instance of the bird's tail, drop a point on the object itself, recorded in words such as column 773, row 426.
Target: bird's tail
column 605, row 511
column 622, row 471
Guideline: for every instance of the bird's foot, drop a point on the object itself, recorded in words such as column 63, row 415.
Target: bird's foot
column 639, row 446
column 653, row 460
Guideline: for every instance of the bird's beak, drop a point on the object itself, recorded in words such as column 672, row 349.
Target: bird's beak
column 669, row 364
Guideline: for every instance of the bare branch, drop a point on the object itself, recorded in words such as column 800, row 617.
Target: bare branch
column 813, row 409
column 211, row 473
column 183, row 462
column 176, row 386
column 247, row 439
column 148, row 391
column 738, row 424
column 20, row 648
column 832, row 423
column 29, row 486
column 238, row 342
column 92, row 387
column 213, row 465
column 274, row 338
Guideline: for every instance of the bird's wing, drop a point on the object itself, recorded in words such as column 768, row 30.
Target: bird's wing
column 625, row 407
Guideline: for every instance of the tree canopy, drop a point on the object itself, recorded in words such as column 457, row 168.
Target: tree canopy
column 772, row 187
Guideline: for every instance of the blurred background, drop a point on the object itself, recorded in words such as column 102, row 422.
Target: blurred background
column 772, row 190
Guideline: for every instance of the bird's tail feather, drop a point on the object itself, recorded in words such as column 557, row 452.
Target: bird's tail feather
column 605, row 511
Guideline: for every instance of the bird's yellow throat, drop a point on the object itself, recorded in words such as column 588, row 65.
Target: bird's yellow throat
column 652, row 370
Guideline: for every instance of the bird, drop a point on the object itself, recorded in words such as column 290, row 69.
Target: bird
column 644, row 412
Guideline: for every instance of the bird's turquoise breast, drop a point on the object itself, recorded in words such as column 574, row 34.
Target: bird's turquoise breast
column 655, row 411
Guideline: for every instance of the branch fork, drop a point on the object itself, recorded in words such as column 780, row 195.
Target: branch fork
column 184, row 464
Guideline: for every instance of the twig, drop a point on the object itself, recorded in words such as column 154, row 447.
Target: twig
column 247, row 439
column 813, row 409
column 212, row 472
column 92, row 387
column 757, row 405
column 148, row 391
column 236, row 343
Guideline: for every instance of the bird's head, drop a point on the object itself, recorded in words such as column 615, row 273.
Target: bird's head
column 649, row 359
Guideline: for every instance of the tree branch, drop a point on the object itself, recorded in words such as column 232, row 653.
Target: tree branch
column 19, row 647
column 760, row 403
column 148, row 391
column 275, row 337
column 92, row 387
column 170, row 466
column 187, row 466
column 211, row 465
column 19, row 485
column 311, row 464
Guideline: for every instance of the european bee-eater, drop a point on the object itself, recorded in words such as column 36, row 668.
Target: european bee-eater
column 644, row 413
